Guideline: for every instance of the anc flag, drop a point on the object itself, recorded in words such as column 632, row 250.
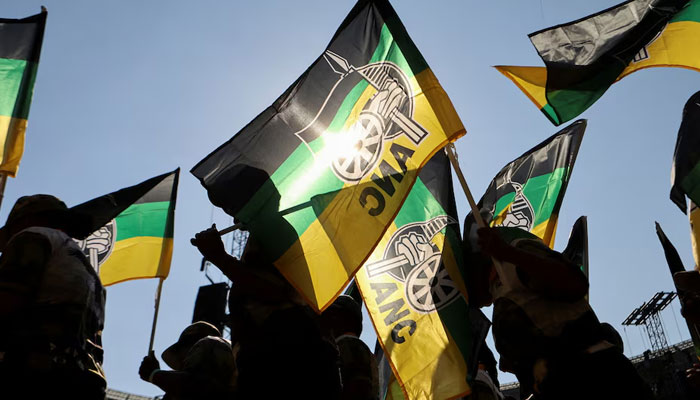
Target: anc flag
column 412, row 287
column 138, row 242
column 694, row 217
column 528, row 192
column 319, row 175
column 20, row 47
column 685, row 171
column 583, row 58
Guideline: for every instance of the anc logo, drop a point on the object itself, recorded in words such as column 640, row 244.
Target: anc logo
column 386, row 115
column 98, row 246
column 520, row 213
column 411, row 257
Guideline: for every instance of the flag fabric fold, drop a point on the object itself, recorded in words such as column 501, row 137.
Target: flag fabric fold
column 20, row 48
column 685, row 170
column 528, row 192
column 577, row 248
column 412, row 287
column 319, row 175
column 585, row 57
column 133, row 230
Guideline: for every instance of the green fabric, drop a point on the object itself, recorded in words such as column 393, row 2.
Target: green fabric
column 145, row 219
column 542, row 192
column 16, row 82
column 291, row 194
column 690, row 13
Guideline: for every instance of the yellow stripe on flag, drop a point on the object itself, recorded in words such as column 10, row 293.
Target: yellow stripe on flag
column 531, row 80
column 331, row 257
column 677, row 46
column 12, row 139
column 137, row 258
column 425, row 360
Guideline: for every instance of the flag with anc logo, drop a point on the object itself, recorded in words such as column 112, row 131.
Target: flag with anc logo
column 685, row 170
column 133, row 236
column 527, row 193
column 412, row 287
column 675, row 265
column 583, row 58
column 20, row 47
column 319, row 175
column 694, row 217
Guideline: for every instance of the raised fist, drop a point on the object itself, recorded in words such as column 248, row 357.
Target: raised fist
column 389, row 97
column 414, row 247
column 99, row 240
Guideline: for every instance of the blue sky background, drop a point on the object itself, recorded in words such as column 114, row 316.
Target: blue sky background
column 131, row 89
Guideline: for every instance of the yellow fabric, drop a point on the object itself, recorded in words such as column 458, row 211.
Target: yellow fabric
column 677, row 46
column 428, row 364
column 137, row 258
column 531, row 80
column 322, row 262
column 695, row 232
column 545, row 230
column 12, row 139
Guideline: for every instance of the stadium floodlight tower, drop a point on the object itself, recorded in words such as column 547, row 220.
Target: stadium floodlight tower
column 649, row 316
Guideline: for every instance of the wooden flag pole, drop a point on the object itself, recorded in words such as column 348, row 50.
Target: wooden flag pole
column 451, row 153
column 155, row 315
column 3, row 181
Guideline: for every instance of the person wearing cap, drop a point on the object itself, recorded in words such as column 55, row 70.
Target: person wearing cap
column 202, row 365
column 51, row 305
column 358, row 367
column 543, row 327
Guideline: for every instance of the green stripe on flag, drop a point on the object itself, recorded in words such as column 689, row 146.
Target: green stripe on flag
column 291, row 192
column 145, row 219
column 542, row 192
column 690, row 13
column 16, row 79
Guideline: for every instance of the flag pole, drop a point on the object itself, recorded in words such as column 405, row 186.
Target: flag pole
column 3, row 181
column 452, row 155
column 155, row 315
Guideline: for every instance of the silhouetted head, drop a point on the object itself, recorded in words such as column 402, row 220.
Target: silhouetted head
column 344, row 316
column 45, row 211
column 174, row 355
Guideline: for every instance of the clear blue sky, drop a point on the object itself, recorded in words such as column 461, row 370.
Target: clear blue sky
column 131, row 89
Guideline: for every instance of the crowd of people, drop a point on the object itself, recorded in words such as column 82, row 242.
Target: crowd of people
column 52, row 314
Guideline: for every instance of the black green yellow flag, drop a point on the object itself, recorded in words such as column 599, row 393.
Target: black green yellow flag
column 527, row 193
column 412, row 287
column 685, row 172
column 319, row 175
column 20, row 47
column 138, row 242
column 584, row 58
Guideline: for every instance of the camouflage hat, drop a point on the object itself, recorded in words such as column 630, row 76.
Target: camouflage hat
column 175, row 354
